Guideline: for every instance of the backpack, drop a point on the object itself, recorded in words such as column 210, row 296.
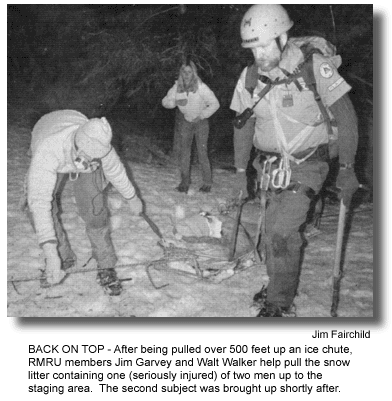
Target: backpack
column 309, row 46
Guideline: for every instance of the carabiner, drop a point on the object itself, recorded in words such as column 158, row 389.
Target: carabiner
column 287, row 170
column 264, row 179
column 277, row 176
column 282, row 175
column 266, row 175
column 286, row 178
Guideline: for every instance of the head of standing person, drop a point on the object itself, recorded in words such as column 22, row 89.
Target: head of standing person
column 264, row 30
column 188, row 80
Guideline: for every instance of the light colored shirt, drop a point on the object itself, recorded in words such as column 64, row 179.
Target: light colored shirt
column 203, row 103
column 297, row 111
column 53, row 152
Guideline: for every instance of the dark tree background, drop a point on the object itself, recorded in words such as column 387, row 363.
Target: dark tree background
column 120, row 60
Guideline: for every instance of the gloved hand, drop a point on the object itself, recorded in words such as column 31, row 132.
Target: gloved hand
column 181, row 102
column 348, row 184
column 135, row 205
column 53, row 271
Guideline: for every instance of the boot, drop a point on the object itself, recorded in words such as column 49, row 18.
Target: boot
column 205, row 188
column 68, row 263
column 183, row 187
column 107, row 278
column 271, row 310
column 103, row 253
column 260, row 297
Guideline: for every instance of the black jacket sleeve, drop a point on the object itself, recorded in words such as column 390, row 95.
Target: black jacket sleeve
column 347, row 122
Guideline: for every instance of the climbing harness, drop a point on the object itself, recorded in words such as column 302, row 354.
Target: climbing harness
column 304, row 71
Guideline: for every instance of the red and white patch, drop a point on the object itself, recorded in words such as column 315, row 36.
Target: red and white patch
column 326, row 70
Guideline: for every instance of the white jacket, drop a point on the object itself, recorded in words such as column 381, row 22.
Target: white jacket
column 52, row 148
column 201, row 104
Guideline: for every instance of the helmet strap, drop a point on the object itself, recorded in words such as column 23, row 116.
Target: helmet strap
column 279, row 44
column 281, row 41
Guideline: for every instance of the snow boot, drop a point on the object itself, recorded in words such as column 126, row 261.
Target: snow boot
column 68, row 263
column 107, row 278
column 260, row 297
column 205, row 188
column 183, row 188
column 271, row 310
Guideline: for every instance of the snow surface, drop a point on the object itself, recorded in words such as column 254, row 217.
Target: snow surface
column 174, row 290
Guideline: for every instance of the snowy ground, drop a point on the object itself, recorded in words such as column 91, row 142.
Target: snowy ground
column 162, row 291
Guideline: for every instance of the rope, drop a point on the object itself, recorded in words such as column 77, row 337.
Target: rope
column 76, row 271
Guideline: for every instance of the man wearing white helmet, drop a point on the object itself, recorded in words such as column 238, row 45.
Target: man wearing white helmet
column 66, row 143
column 292, row 135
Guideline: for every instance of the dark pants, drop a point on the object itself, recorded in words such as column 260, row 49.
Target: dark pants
column 286, row 212
column 243, row 143
column 200, row 131
column 176, row 150
column 91, row 200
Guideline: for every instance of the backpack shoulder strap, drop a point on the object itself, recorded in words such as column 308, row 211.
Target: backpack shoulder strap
column 307, row 73
column 251, row 76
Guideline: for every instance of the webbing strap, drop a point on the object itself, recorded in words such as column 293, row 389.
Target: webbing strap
column 293, row 79
column 307, row 73
column 284, row 147
column 251, row 78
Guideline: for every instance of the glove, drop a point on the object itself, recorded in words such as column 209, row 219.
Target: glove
column 135, row 205
column 348, row 184
column 181, row 102
column 53, row 271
